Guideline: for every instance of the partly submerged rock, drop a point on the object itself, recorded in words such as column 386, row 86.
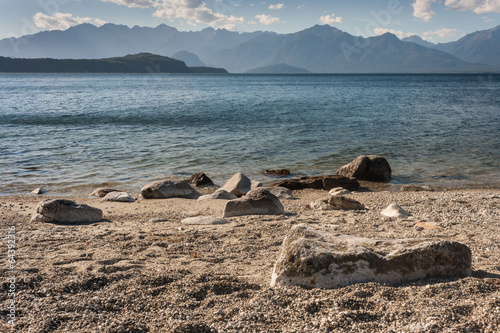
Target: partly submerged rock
column 319, row 183
column 416, row 188
column 256, row 202
column 65, row 211
column 103, row 191
column 164, row 189
column 118, row 197
column 367, row 167
column 314, row 258
column 204, row 220
column 200, row 179
column 38, row 190
column 394, row 210
column 239, row 185
column 219, row 194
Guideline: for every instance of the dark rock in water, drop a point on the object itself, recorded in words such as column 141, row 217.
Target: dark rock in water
column 65, row 211
column 200, row 179
column 313, row 258
column 319, row 183
column 367, row 167
column 416, row 188
column 277, row 173
column 256, row 202
column 164, row 189
column 103, row 191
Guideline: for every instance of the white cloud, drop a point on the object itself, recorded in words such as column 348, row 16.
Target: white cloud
column 267, row 19
column 330, row 19
column 132, row 3
column 422, row 9
column 193, row 11
column 277, row 6
column 442, row 33
column 400, row 34
column 477, row 6
column 62, row 21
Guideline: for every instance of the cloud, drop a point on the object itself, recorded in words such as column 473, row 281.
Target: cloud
column 267, row 19
column 442, row 33
column 62, row 21
column 193, row 11
column 277, row 6
column 400, row 34
column 422, row 9
column 477, row 6
column 330, row 19
column 132, row 3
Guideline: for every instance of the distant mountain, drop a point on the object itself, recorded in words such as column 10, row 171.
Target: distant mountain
column 481, row 47
column 417, row 40
column 189, row 58
column 278, row 69
column 138, row 63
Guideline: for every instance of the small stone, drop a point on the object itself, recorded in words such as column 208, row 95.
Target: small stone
column 118, row 197
column 204, row 220
column 321, row 204
column 341, row 202
column 394, row 210
column 200, row 179
column 339, row 191
column 416, row 188
column 164, row 189
column 102, row 191
column 38, row 191
column 256, row 202
column 219, row 194
column 280, row 192
column 239, row 185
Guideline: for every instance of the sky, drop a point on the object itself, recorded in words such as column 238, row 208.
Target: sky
column 437, row 21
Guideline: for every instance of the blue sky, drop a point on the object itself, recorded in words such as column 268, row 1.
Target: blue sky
column 433, row 20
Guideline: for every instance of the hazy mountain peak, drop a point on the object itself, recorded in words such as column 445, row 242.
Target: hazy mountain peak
column 417, row 40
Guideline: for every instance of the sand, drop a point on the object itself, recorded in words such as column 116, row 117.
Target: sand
column 140, row 270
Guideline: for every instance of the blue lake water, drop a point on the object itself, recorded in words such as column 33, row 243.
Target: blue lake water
column 73, row 132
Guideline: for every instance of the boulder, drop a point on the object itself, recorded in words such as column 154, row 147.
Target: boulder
column 38, row 191
column 367, row 167
column 65, row 211
column 341, row 202
column 103, row 191
column 118, row 197
column 280, row 192
column 219, row 194
column 164, row 189
column 313, row 258
column 277, row 173
column 200, row 179
column 416, row 188
column 239, row 185
column 256, row 202
column 394, row 210
column 339, row 191
column 319, row 183
column 204, row 220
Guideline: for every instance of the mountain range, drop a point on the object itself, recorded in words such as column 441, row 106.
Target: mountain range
column 319, row 49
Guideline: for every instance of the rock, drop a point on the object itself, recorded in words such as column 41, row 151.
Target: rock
column 164, row 189
column 239, row 185
column 200, row 179
column 103, row 191
column 118, row 197
column 65, row 211
column 319, row 183
column 256, row 202
column 219, row 194
column 38, row 190
column 277, row 173
column 339, row 191
column 314, row 258
column 341, row 202
column 393, row 210
column 204, row 220
column 321, row 204
column 416, row 188
column 371, row 167
column 281, row 193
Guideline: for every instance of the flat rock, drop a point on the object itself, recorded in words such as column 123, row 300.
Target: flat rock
column 103, row 191
column 256, row 202
column 341, row 202
column 204, row 220
column 218, row 194
column 118, row 197
column 281, row 193
column 38, row 191
column 277, row 173
column 339, row 191
column 394, row 210
column 164, row 189
column 239, row 185
column 416, row 188
column 200, row 179
column 367, row 167
column 319, row 183
column 65, row 211
column 318, row 259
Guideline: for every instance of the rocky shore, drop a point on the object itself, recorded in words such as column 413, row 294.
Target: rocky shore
column 147, row 267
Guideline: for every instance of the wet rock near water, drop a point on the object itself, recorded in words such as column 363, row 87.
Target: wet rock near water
column 38, row 191
column 101, row 192
column 256, row 202
column 318, row 259
column 319, row 183
column 118, row 197
column 367, row 167
column 164, row 189
column 277, row 173
column 65, row 211
column 200, row 179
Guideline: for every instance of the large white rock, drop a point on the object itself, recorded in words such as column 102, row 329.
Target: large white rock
column 204, row 220
column 164, row 189
column 239, row 185
column 65, row 211
column 219, row 194
column 256, row 202
column 118, row 197
column 314, row 258
column 394, row 210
